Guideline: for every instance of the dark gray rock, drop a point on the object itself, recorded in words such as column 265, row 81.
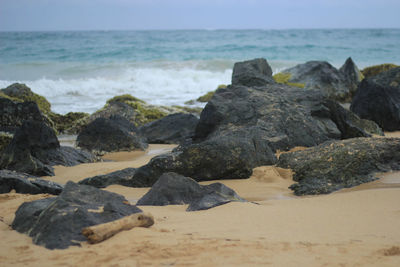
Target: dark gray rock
column 224, row 157
column 110, row 135
column 175, row 189
column 122, row 177
column 339, row 85
column 13, row 114
column 378, row 99
column 256, row 72
column 57, row 223
column 35, row 149
column 25, row 184
column 172, row 129
column 340, row 164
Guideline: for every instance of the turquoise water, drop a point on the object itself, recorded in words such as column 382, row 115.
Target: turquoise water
column 78, row 71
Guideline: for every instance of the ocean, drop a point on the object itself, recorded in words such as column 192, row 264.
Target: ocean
column 79, row 71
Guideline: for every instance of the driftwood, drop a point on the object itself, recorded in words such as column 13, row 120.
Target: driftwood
column 101, row 232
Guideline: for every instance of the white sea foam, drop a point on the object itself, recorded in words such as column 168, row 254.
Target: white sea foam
column 160, row 86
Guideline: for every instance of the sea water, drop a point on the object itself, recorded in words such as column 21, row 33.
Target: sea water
column 79, row 71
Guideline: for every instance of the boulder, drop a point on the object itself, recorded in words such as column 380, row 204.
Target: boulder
column 70, row 123
column 110, row 135
column 378, row 99
column 13, row 114
column 339, row 85
column 172, row 129
column 5, row 140
column 175, row 189
column 57, row 223
column 284, row 116
column 224, row 157
column 376, row 69
column 25, row 184
column 340, row 164
column 121, row 177
column 35, row 149
column 256, row 72
column 23, row 93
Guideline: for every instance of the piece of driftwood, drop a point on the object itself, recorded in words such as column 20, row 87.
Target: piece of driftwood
column 101, row 232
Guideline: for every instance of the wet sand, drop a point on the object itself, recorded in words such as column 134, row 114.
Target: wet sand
column 352, row 227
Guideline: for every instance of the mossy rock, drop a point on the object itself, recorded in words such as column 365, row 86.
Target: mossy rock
column 20, row 92
column 284, row 78
column 125, row 98
column 375, row 70
column 205, row 98
column 71, row 120
column 190, row 110
column 5, row 139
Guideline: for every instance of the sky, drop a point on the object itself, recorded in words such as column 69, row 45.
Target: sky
column 49, row 15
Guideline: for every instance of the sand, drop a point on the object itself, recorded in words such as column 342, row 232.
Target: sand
column 353, row 227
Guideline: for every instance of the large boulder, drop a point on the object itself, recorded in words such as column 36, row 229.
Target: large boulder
column 110, row 135
column 14, row 113
column 23, row 93
column 57, row 223
column 378, row 99
column 26, row 184
column 339, row 85
column 35, row 149
column 175, row 189
column 340, row 164
column 376, row 69
column 172, row 129
column 121, row 177
column 256, row 72
column 284, row 116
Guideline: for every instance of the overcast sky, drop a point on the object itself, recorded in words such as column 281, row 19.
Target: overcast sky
column 27, row 15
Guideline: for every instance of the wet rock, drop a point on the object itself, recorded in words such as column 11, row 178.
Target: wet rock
column 25, row 184
column 121, row 177
column 256, row 72
column 340, row 164
column 56, row 223
column 110, row 135
column 172, row 129
column 35, row 149
column 378, row 99
column 175, row 189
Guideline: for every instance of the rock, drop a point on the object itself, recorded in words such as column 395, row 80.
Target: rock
column 110, row 135
column 5, row 140
column 57, row 223
column 69, row 123
column 256, row 72
column 284, row 116
column 22, row 92
column 340, row 164
column 175, row 189
column 26, row 184
column 224, row 157
column 122, row 177
column 205, row 98
column 35, row 149
column 172, row 129
column 375, row 70
column 338, row 85
column 378, row 99
column 13, row 114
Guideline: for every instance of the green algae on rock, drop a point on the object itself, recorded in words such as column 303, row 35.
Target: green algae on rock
column 284, row 79
column 376, row 69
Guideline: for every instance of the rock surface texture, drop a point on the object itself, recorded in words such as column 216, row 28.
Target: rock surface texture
column 35, row 149
column 340, row 164
column 338, row 85
column 25, row 184
column 122, row 177
column 378, row 99
column 172, row 129
column 56, row 223
column 175, row 189
column 110, row 135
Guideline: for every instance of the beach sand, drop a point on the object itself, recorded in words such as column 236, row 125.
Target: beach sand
column 352, row 227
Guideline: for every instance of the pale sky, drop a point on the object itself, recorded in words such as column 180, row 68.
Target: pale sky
column 42, row 15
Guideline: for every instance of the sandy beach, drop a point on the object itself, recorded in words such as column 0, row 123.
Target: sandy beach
column 352, row 227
